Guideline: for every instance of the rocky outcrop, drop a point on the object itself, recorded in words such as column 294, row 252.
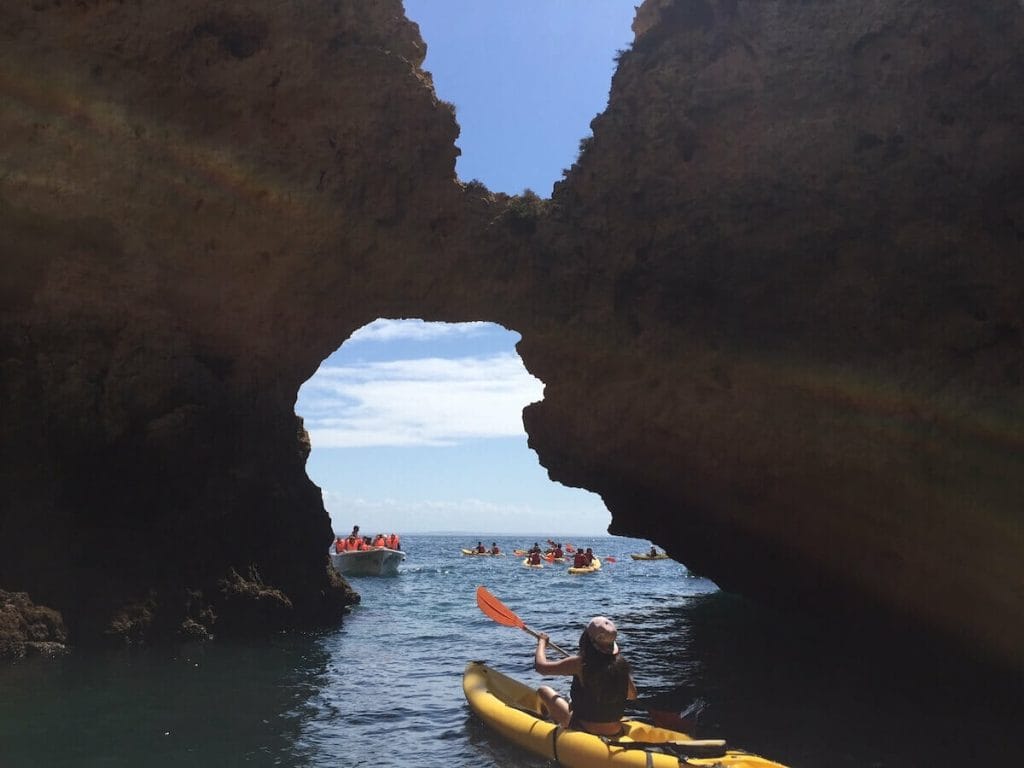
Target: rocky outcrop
column 776, row 302
column 28, row 629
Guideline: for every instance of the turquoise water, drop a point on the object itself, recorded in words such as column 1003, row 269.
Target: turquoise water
column 384, row 689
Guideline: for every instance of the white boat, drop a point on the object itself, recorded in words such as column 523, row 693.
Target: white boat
column 380, row 561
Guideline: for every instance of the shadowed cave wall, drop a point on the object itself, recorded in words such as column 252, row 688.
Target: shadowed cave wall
column 776, row 302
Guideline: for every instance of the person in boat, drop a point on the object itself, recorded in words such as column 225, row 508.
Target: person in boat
column 557, row 553
column 352, row 543
column 590, row 556
column 601, row 681
column 339, row 545
column 534, row 548
column 654, row 551
column 480, row 548
column 380, row 541
column 494, row 548
column 397, row 542
column 579, row 559
column 534, row 557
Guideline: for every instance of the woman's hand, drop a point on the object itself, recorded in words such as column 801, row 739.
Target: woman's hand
column 543, row 637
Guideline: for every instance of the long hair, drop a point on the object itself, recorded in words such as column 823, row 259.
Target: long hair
column 605, row 675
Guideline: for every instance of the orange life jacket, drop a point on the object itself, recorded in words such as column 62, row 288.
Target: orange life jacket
column 380, row 542
column 339, row 545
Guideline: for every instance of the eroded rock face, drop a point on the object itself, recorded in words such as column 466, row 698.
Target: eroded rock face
column 776, row 302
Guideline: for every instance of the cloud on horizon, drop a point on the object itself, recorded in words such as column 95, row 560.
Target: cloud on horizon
column 419, row 402
column 383, row 329
column 389, row 515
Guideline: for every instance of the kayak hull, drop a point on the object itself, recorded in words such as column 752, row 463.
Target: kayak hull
column 594, row 567
column 659, row 556
column 474, row 553
column 368, row 562
column 513, row 710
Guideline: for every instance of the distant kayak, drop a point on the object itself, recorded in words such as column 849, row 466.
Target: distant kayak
column 514, row 711
column 474, row 553
column 659, row 556
column 594, row 567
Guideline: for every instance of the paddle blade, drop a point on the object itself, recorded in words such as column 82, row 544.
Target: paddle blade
column 497, row 610
column 610, row 559
column 685, row 721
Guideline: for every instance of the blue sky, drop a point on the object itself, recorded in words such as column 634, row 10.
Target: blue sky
column 418, row 426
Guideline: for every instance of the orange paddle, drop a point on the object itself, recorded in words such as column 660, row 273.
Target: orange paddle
column 499, row 612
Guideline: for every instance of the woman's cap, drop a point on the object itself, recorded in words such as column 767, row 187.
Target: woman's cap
column 602, row 633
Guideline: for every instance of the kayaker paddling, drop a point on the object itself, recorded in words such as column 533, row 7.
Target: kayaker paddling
column 601, row 681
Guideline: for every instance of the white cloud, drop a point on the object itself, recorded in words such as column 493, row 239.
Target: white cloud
column 468, row 514
column 428, row 401
column 416, row 330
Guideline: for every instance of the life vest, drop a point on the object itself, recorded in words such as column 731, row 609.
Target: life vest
column 481, row 548
column 495, row 551
column 380, row 541
column 579, row 560
column 595, row 702
column 535, row 558
column 339, row 545
column 558, row 554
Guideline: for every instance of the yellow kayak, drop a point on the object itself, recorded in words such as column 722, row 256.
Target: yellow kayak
column 594, row 566
column 474, row 553
column 514, row 710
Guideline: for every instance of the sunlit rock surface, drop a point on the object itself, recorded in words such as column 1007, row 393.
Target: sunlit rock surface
column 776, row 303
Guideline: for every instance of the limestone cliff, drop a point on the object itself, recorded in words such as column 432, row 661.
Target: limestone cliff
column 776, row 302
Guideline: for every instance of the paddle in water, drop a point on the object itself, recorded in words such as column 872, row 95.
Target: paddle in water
column 502, row 614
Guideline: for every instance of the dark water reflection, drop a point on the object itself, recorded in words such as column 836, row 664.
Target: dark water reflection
column 810, row 695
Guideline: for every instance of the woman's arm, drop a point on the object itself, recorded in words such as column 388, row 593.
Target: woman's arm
column 569, row 666
column 631, row 690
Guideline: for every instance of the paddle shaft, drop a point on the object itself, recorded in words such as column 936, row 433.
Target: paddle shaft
column 550, row 644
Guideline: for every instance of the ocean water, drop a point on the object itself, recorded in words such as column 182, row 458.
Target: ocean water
column 384, row 689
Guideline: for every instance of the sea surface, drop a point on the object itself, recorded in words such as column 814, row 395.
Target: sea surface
column 384, row 689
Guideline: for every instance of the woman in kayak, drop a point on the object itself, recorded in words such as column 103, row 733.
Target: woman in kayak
column 601, row 681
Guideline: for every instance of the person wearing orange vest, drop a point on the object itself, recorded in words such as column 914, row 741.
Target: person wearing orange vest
column 397, row 542
column 339, row 545
column 579, row 560
column 494, row 548
column 379, row 541
column 480, row 548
